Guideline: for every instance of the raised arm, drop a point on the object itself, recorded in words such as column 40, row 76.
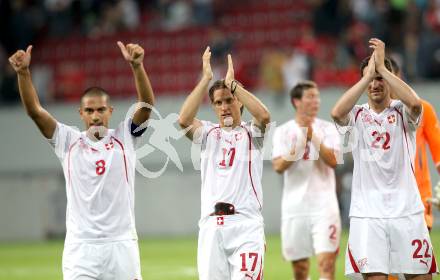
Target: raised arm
column 347, row 101
column 20, row 61
column 403, row 91
column 257, row 109
column 187, row 117
column 134, row 54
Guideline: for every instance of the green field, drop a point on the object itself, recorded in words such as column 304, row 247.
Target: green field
column 162, row 259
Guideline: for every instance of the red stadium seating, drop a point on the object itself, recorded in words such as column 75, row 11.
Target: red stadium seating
column 172, row 58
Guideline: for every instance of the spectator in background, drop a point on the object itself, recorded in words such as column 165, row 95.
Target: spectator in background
column 116, row 16
column 296, row 68
column 203, row 12
column 175, row 14
column 221, row 45
column 60, row 17
column 271, row 72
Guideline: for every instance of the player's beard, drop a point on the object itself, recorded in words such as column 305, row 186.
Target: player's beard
column 97, row 132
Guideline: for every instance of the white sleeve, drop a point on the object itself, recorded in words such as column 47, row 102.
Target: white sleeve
column 123, row 133
column 199, row 136
column 332, row 138
column 411, row 123
column 257, row 135
column 63, row 137
column 352, row 115
column 279, row 144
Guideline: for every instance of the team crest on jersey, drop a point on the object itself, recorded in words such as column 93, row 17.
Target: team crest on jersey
column 109, row 146
column 391, row 118
column 220, row 221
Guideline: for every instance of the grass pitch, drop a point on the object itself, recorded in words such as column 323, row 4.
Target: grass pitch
column 162, row 259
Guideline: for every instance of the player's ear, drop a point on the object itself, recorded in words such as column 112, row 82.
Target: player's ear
column 111, row 109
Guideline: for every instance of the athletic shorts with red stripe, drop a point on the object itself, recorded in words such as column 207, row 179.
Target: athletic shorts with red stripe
column 231, row 248
column 389, row 246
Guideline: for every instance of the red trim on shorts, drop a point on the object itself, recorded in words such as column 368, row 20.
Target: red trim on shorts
column 357, row 114
column 123, row 153
column 250, row 164
column 406, row 140
column 68, row 160
column 433, row 268
column 353, row 262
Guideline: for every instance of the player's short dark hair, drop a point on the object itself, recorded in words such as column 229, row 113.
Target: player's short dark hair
column 364, row 64
column 95, row 92
column 394, row 65
column 297, row 91
column 220, row 84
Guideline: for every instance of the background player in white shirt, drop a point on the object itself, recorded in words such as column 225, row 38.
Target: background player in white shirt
column 99, row 168
column 231, row 237
column 304, row 152
column 388, row 233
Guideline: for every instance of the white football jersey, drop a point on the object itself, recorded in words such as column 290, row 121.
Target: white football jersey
column 309, row 183
column 384, row 185
column 99, row 183
column 231, row 168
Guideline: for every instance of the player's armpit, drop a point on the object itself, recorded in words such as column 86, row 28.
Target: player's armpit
column 193, row 129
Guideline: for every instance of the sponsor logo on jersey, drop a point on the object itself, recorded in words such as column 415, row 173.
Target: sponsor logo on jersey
column 362, row 262
column 238, row 136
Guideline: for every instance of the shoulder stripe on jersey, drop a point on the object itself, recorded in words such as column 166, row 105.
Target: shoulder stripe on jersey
column 215, row 127
column 352, row 261
column 357, row 113
column 406, row 141
column 68, row 160
column 250, row 164
column 123, row 153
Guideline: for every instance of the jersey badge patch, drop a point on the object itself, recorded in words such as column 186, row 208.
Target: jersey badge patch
column 109, row 146
column 391, row 118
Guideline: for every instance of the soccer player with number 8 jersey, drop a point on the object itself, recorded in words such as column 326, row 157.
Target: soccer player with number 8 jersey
column 231, row 237
column 388, row 233
column 99, row 169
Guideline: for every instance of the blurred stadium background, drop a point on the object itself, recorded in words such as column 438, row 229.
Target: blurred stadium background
column 274, row 44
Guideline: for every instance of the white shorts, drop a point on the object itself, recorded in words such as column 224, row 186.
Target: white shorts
column 117, row 260
column 230, row 248
column 303, row 237
column 389, row 246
